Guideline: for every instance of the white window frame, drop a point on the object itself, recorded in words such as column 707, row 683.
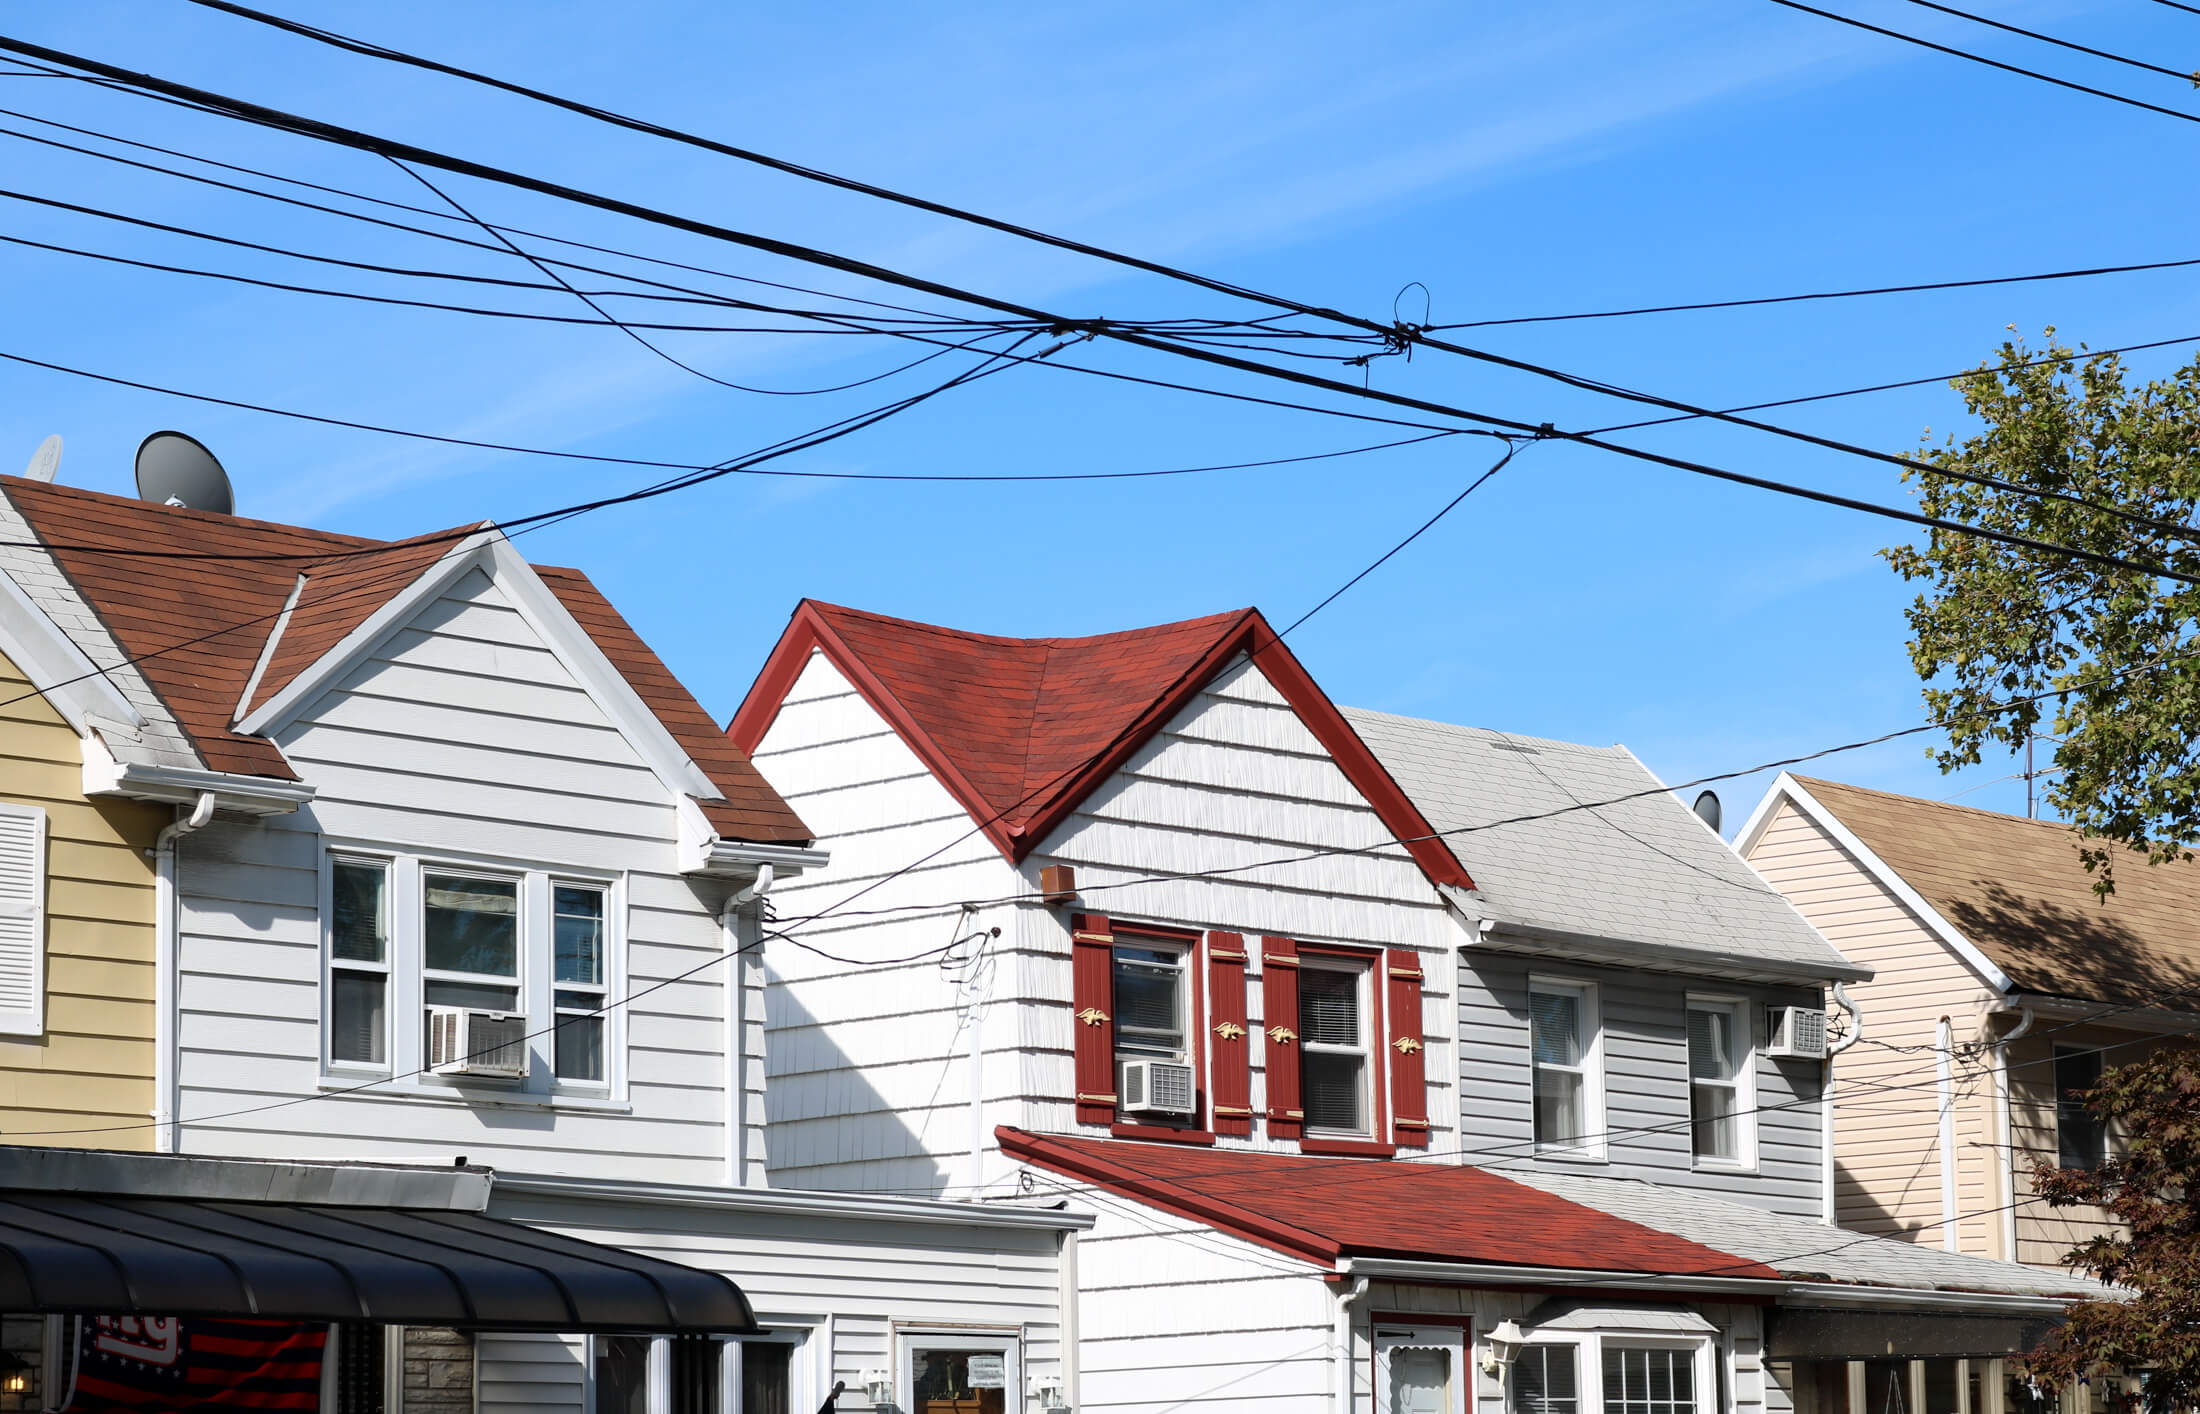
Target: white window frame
column 1370, row 1055
column 977, row 1340
column 1589, row 1348
column 1592, row 1147
column 406, row 959
column 1185, row 981
column 602, row 990
column 1386, row 1336
column 800, row 1380
column 331, row 964
column 1744, row 1015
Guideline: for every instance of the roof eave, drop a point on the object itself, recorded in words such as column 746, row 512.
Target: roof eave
column 183, row 785
column 1502, row 935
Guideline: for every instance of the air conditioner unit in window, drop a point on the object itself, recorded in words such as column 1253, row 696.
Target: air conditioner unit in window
column 462, row 1041
column 1796, row 1032
column 1157, row 1087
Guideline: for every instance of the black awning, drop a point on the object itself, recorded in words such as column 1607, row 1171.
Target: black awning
column 121, row 1256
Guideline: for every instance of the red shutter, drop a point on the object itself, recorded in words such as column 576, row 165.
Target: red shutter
column 1279, row 970
column 1232, row 1073
column 1408, row 1075
column 1092, row 968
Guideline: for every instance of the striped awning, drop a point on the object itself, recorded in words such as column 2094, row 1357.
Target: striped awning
column 72, row 1254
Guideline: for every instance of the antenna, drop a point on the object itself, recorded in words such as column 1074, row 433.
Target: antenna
column 46, row 461
column 1707, row 809
column 176, row 470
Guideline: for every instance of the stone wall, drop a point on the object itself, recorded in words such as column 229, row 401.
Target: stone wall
column 439, row 1371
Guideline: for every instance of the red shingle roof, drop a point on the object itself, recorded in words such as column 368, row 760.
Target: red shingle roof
column 197, row 627
column 1323, row 1209
column 1022, row 729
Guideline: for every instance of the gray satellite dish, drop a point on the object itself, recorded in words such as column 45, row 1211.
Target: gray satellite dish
column 1707, row 810
column 46, row 461
column 174, row 470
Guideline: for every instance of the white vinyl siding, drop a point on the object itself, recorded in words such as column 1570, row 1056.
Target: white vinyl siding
column 22, row 920
column 461, row 740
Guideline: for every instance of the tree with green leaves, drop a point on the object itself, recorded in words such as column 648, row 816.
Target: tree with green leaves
column 2090, row 460
column 2147, row 1187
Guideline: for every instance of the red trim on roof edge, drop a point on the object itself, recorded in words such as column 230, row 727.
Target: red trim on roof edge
column 808, row 629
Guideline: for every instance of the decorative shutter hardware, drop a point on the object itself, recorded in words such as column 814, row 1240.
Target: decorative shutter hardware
column 1280, row 1019
column 1092, row 994
column 1408, row 1067
column 1230, row 1067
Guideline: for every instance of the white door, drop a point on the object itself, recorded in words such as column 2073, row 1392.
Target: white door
column 1420, row 1370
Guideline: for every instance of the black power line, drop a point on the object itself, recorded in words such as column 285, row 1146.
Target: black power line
column 2187, row 77
column 347, row 137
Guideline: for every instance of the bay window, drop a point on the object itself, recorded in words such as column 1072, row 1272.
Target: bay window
column 1649, row 1380
column 1566, row 1060
column 407, row 938
column 1546, row 1380
column 1719, row 1061
column 1626, row 1372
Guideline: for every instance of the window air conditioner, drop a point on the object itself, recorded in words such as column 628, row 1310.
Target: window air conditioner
column 1796, row 1032
column 1157, row 1087
column 462, row 1041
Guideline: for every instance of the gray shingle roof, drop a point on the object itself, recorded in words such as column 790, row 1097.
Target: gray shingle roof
column 1800, row 1249
column 1643, row 871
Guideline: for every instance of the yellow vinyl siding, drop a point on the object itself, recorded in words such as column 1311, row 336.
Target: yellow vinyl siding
column 2046, row 1235
column 1886, row 1108
column 93, row 1068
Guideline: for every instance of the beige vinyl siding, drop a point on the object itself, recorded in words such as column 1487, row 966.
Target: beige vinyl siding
column 2046, row 1235
column 92, row 1070
column 1887, row 1123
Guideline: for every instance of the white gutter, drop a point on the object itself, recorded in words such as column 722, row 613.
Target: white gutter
column 1829, row 1202
column 1340, row 1343
column 183, row 785
column 166, row 1138
column 1951, row 1228
column 597, row 1196
column 736, row 1080
column 2005, row 1167
column 1837, row 1295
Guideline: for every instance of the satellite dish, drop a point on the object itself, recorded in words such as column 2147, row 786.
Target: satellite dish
column 175, row 470
column 46, row 461
column 1707, row 809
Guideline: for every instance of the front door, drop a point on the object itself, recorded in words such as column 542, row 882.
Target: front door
column 1420, row 1369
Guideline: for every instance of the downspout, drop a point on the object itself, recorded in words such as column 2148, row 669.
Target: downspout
column 1341, row 1343
column 2004, row 1132
column 736, row 1049
column 1829, row 1211
column 166, row 1138
column 1951, row 1235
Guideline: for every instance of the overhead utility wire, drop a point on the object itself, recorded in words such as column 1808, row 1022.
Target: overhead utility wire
column 2178, row 5
column 1989, row 63
column 2186, row 77
column 347, row 137
column 1822, row 295
column 1406, row 334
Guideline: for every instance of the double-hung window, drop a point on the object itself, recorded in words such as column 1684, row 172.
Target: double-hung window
column 1566, row 1057
column 1625, row 1374
column 1546, row 1380
column 1719, row 1059
column 1647, row 1379
column 410, row 937
column 2081, row 1142
column 1334, row 1047
column 1150, row 1003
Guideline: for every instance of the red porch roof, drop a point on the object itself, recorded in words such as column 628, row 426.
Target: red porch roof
column 1324, row 1209
column 1022, row 729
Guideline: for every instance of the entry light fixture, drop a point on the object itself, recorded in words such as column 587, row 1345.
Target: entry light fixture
column 1501, row 1345
column 878, row 1387
column 1046, row 1388
column 15, row 1373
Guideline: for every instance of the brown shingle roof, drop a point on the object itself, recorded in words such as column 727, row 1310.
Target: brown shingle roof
column 2016, row 891
column 196, row 628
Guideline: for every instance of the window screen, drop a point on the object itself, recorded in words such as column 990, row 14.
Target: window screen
column 1649, row 1381
column 1546, row 1380
column 2080, row 1141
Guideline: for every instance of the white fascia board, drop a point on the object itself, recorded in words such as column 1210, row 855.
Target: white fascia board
column 1950, row 936
column 778, row 1202
column 56, row 667
column 181, row 785
column 1502, row 935
column 402, row 606
column 703, row 852
column 565, row 637
column 1841, row 1295
column 1846, row 1296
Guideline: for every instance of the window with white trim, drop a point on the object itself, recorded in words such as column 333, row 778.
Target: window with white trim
column 1720, row 1056
column 408, row 936
column 1334, row 1046
column 1152, row 1006
column 1546, row 1379
column 1633, row 1373
column 1567, row 1055
column 1649, row 1379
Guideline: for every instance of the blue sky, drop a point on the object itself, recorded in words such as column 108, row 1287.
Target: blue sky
column 1513, row 159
